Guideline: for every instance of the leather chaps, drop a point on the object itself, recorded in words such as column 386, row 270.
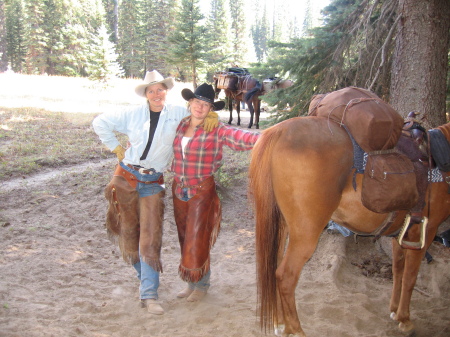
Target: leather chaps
column 198, row 224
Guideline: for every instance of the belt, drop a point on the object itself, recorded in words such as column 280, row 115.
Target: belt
column 141, row 170
column 131, row 178
column 205, row 183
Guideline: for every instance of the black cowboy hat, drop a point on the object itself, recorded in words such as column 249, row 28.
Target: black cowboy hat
column 204, row 92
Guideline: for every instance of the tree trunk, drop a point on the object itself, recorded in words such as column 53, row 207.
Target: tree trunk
column 420, row 64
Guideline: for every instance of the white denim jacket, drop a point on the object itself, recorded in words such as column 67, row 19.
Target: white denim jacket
column 135, row 123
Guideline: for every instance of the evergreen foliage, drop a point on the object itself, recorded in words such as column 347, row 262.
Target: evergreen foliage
column 219, row 54
column 156, row 32
column 351, row 48
column 3, row 44
column 260, row 36
column 188, row 42
column 130, row 44
column 238, row 32
column 102, row 64
column 104, row 38
column 15, row 34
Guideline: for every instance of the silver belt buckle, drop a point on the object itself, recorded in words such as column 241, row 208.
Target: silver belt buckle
column 150, row 171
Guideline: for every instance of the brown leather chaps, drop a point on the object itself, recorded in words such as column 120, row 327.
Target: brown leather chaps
column 136, row 223
column 198, row 224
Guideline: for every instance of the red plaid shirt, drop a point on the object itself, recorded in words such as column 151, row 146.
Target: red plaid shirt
column 203, row 153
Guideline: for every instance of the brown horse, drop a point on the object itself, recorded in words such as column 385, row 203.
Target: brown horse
column 301, row 177
column 253, row 97
column 236, row 88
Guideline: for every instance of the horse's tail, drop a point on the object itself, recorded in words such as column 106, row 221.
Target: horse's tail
column 268, row 218
column 253, row 91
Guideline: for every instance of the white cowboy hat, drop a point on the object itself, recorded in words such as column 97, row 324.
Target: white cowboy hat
column 153, row 77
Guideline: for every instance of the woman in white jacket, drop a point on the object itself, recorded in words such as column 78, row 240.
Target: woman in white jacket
column 136, row 191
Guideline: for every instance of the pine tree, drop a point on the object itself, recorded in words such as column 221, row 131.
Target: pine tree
column 36, row 58
column 15, row 34
column 189, row 46
column 3, row 45
column 308, row 20
column 219, row 46
column 131, row 44
column 111, row 16
column 102, row 60
column 156, row 32
column 260, row 35
column 238, row 31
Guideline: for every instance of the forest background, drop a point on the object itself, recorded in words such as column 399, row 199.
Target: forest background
column 381, row 45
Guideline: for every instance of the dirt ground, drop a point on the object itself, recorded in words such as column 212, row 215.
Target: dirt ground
column 61, row 276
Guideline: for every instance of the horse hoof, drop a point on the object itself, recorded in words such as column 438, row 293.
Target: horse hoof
column 408, row 328
column 393, row 316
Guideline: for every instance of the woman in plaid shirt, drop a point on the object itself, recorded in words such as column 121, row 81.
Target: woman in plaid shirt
column 197, row 208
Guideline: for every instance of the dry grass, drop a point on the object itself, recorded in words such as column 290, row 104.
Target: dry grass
column 32, row 139
column 45, row 122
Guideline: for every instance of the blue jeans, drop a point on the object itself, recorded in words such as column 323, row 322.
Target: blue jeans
column 203, row 284
column 149, row 280
column 145, row 190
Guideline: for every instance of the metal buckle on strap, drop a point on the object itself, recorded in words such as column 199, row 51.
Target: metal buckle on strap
column 145, row 171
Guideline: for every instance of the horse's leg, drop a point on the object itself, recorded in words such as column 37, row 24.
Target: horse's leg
column 412, row 261
column 302, row 244
column 257, row 107
column 238, row 110
column 438, row 209
column 230, row 107
column 251, row 109
column 398, row 266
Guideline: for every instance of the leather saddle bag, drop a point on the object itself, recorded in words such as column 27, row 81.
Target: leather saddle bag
column 389, row 183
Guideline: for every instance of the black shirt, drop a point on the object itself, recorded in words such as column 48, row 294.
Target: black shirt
column 154, row 118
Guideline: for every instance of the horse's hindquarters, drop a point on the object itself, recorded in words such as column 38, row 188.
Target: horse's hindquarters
column 311, row 163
